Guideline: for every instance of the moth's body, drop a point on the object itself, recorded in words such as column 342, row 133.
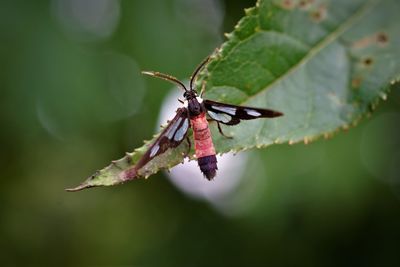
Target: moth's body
column 193, row 114
column 203, row 144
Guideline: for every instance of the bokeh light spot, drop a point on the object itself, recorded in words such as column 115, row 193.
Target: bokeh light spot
column 89, row 19
column 188, row 178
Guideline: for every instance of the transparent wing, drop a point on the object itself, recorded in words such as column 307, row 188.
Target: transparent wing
column 232, row 114
column 170, row 137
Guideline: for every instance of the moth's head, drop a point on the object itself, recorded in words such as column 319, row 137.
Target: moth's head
column 190, row 94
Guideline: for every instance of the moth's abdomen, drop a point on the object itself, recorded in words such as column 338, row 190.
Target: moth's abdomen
column 202, row 136
column 204, row 146
column 208, row 166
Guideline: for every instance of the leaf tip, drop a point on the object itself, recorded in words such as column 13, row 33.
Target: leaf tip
column 150, row 73
column 79, row 187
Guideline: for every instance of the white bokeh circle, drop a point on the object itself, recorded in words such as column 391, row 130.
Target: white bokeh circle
column 187, row 176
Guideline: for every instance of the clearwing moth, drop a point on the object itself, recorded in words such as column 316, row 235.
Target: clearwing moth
column 193, row 114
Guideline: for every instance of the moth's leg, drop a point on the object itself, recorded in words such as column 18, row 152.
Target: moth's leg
column 221, row 132
column 189, row 147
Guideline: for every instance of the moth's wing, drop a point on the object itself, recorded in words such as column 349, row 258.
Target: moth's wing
column 170, row 137
column 232, row 114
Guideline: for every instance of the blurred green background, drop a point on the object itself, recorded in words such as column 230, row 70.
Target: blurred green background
column 72, row 99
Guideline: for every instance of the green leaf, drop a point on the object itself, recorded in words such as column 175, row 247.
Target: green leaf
column 324, row 64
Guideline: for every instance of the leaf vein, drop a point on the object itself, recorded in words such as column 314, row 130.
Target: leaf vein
column 323, row 43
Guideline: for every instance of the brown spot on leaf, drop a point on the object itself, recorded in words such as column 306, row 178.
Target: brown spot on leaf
column 318, row 14
column 305, row 4
column 368, row 61
column 287, row 4
column 382, row 38
column 356, row 82
column 302, row 3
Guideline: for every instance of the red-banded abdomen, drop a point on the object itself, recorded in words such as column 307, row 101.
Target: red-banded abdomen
column 204, row 146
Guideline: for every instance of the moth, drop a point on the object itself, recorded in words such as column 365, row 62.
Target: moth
column 194, row 114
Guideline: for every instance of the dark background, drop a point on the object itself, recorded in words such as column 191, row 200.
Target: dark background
column 72, row 99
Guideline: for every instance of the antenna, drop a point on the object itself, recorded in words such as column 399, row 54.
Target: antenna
column 165, row 77
column 194, row 75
